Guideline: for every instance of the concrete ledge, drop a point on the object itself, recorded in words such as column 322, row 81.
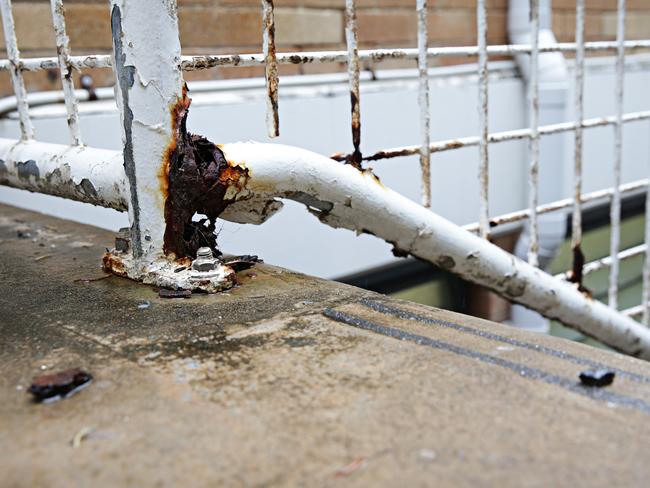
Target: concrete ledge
column 289, row 380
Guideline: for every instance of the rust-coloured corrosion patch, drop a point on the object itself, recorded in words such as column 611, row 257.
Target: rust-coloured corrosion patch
column 114, row 264
column 576, row 275
column 356, row 157
column 51, row 387
column 194, row 179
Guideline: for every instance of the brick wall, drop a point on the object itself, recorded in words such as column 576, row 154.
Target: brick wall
column 209, row 26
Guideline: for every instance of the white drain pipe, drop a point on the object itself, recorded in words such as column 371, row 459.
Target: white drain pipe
column 553, row 101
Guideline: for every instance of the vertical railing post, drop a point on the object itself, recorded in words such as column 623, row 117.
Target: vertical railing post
column 484, row 205
column 13, row 55
column 149, row 82
column 615, row 209
column 423, row 101
column 533, row 99
column 354, row 71
column 65, row 68
column 270, row 69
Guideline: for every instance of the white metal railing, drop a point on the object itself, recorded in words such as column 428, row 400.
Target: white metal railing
column 109, row 185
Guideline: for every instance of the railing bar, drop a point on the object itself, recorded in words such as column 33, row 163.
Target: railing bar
column 645, row 293
column 504, row 136
column 271, row 69
column 63, row 49
column 615, row 209
column 576, row 218
column 423, row 102
column 354, row 71
column 191, row 63
column 533, row 175
column 560, row 204
column 633, row 311
column 207, row 61
column 14, row 64
column 605, row 262
column 484, row 209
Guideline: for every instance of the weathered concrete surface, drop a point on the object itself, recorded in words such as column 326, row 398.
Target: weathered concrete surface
column 275, row 384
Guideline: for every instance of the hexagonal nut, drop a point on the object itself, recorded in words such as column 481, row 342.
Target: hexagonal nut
column 204, row 265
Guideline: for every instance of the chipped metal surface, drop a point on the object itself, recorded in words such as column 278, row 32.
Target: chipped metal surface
column 424, row 103
column 511, row 135
column 270, row 69
column 533, row 142
column 65, row 68
column 615, row 207
column 577, row 271
column 360, row 204
column 149, row 84
column 200, row 62
column 354, row 70
column 14, row 64
column 195, row 178
column 163, row 272
column 484, row 205
column 79, row 173
column 576, row 216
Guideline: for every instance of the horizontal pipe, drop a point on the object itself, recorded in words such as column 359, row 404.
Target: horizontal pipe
column 77, row 173
column 199, row 62
column 344, row 197
column 90, row 163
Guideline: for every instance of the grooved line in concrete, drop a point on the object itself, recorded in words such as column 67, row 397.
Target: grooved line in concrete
column 599, row 394
column 404, row 314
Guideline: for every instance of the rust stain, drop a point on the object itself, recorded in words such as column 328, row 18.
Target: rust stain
column 369, row 172
column 356, row 157
column 178, row 112
column 113, row 264
column 194, row 179
column 271, row 67
column 575, row 275
column 342, row 157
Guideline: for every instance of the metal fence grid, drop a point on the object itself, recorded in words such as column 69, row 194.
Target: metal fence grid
column 353, row 57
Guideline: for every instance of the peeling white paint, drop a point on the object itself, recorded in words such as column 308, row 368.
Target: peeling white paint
column 360, row 203
column 147, row 54
column 79, row 173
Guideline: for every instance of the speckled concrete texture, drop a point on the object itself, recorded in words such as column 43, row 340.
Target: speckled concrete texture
column 289, row 380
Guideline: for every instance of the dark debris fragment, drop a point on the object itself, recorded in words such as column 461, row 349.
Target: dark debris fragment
column 240, row 263
column 597, row 378
column 49, row 388
column 165, row 293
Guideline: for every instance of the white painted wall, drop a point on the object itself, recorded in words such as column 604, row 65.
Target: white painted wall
column 317, row 118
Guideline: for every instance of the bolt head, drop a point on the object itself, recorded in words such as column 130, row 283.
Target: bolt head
column 204, row 252
column 204, row 265
column 205, row 261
